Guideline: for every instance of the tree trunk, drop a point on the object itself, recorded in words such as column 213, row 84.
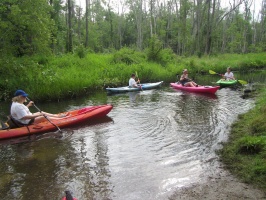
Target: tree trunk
column 69, row 30
column 247, row 14
column 111, row 26
column 151, row 17
column 87, row 23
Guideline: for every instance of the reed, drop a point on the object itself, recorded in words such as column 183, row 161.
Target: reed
column 53, row 78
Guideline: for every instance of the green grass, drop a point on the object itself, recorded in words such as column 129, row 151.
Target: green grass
column 245, row 152
column 54, row 78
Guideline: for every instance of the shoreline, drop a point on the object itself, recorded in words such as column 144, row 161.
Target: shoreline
column 225, row 182
column 222, row 185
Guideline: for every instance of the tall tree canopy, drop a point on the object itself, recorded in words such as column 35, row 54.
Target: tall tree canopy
column 186, row 26
column 25, row 27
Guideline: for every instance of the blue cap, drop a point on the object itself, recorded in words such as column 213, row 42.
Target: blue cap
column 21, row 92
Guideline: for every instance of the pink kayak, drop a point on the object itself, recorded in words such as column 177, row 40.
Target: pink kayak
column 201, row 89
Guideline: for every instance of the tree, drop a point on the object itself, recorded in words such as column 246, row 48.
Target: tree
column 24, row 29
column 87, row 22
column 69, row 42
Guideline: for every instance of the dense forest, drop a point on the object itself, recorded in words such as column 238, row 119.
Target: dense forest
column 186, row 27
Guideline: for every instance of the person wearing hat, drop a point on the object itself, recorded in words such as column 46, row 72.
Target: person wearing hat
column 132, row 83
column 21, row 112
column 229, row 75
column 185, row 81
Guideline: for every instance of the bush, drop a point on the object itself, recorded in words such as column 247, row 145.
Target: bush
column 80, row 51
column 154, row 49
column 127, row 56
column 251, row 145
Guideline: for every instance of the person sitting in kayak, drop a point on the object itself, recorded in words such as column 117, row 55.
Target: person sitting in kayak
column 132, row 83
column 22, row 114
column 185, row 81
column 229, row 75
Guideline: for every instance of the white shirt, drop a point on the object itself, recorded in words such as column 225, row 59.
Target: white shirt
column 18, row 111
column 229, row 76
column 132, row 82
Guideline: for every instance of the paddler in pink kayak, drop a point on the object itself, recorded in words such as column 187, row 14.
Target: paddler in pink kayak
column 185, row 81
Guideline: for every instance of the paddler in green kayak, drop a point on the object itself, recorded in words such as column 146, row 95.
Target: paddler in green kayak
column 229, row 75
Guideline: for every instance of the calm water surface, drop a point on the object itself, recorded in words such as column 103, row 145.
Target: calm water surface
column 152, row 143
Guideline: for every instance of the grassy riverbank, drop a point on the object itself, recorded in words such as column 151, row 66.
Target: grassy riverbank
column 245, row 153
column 54, row 78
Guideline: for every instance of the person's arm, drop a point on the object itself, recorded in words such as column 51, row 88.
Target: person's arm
column 232, row 76
column 224, row 76
column 30, row 104
column 135, row 85
column 229, row 76
column 182, row 78
column 33, row 116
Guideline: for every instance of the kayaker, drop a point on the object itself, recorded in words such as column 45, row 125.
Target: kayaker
column 22, row 114
column 132, row 82
column 185, row 81
column 229, row 75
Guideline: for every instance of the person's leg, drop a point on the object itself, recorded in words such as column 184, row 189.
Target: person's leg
column 50, row 115
column 54, row 115
column 189, row 84
column 195, row 84
column 42, row 118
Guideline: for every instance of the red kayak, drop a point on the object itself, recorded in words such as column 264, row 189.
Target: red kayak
column 200, row 89
column 73, row 117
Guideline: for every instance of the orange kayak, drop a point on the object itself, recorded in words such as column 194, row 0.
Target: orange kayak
column 73, row 117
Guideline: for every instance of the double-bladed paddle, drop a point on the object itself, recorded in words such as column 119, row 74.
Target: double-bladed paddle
column 45, row 116
column 240, row 81
column 136, row 73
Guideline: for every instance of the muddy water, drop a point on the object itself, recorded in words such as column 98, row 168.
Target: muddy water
column 151, row 143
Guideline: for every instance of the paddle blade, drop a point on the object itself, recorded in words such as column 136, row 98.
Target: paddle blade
column 212, row 72
column 136, row 73
column 242, row 82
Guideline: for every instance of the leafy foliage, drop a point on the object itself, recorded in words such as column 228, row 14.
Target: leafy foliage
column 25, row 30
column 154, row 49
column 31, row 27
column 128, row 56
column 251, row 145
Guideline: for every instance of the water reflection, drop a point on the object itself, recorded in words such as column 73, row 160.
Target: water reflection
column 133, row 96
column 151, row 143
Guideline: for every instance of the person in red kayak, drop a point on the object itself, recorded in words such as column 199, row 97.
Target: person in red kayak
column 185, row 81
column 22, row 114
column 229, row 75
column 132, row 83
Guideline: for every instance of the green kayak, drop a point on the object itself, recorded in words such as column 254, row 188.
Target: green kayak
column 226, row 83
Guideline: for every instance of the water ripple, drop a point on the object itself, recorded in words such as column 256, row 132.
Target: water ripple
column 155, row 142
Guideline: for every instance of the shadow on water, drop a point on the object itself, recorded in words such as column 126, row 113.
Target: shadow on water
column 133, row 96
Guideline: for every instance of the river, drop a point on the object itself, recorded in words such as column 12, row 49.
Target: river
column 152, row 143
